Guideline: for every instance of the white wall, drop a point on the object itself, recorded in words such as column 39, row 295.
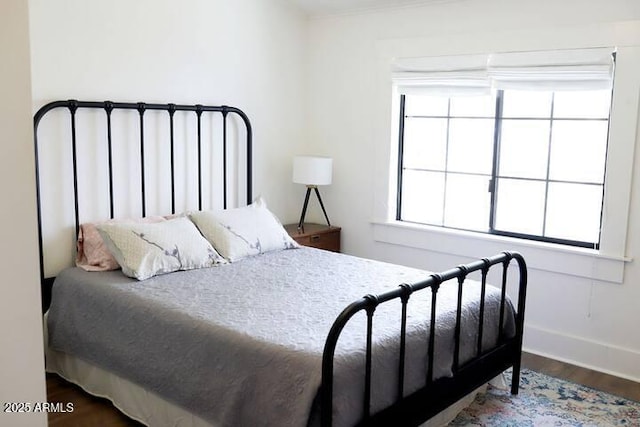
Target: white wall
column 249, row 54
column 287, row 73
column 21, row 355
column 587, row 322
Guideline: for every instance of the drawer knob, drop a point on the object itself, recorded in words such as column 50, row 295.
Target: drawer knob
column 315, row 238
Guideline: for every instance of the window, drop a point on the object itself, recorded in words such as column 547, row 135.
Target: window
column 526, row 159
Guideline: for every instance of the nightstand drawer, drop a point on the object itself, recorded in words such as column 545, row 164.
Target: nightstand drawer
column 316, row 236
column 328, row 241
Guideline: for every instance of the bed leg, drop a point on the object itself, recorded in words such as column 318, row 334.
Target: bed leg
column 515, row 377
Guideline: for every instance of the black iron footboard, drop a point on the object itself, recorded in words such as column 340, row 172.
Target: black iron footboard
column 438, row 393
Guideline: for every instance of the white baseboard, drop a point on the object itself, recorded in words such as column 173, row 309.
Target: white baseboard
column 602, row 357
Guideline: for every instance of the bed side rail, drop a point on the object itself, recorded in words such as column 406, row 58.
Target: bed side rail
column 439, row 393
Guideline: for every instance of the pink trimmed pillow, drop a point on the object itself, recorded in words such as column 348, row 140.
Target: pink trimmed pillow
column 92, row 253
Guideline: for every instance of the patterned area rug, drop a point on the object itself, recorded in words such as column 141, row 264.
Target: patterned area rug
column 548, row 401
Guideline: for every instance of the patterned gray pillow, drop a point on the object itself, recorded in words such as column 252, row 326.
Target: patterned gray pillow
column 145, row 250
column 242, row 232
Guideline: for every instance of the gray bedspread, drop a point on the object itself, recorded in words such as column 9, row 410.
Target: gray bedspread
column 241, row 344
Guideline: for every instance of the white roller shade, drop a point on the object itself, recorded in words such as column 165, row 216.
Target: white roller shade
column 442, row 75
column 577, row 69
column 574, row 69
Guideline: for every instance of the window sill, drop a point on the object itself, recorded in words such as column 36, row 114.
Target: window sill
column 580, row 262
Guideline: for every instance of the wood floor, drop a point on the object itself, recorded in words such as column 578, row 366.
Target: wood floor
column 87, row 409
column 93, row 411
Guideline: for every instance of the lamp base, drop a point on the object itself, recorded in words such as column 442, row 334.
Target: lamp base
column 306, row 203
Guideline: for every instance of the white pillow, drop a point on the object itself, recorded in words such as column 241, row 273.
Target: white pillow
column 242, row 232
column 144, row 250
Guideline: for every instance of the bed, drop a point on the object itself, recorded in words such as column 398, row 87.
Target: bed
column 283, row 337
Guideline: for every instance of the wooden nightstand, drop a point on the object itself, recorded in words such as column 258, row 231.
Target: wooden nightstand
column 316, row 235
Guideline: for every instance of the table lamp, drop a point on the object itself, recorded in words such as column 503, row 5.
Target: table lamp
column 312, row 171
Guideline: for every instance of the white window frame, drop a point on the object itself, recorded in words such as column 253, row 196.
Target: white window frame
column 605, row 264
column 494, row 177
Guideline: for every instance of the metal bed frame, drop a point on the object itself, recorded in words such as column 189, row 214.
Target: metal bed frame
column 140, row 107
column 412, row 409
column 439, row 393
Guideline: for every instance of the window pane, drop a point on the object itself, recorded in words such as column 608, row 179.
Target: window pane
column 473, row 106
column 422, row 197
column 471, row 145
column 524, row 148
column 416, row 105
column 578, row 150
column 520, row 206
column 524, row 103
column 593, row 104
column 574, row 211
column 467, row 202
column 425, row 143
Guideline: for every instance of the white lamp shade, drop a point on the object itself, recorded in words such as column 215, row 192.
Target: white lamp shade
column 311, row 170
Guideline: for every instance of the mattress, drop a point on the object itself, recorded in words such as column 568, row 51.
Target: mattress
column 241, row 344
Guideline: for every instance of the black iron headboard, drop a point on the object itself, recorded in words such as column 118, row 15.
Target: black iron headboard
column 72, row 106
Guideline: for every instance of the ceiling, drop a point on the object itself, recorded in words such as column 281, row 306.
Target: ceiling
column 330, row 7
